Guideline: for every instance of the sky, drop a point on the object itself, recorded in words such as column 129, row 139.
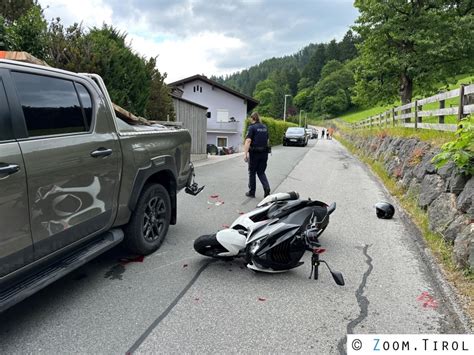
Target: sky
column 211, row 37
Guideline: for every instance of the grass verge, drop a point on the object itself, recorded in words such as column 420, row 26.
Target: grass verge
column 435, row 138
column 461, row 279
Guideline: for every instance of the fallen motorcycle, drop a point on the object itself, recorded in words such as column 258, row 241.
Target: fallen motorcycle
column 274, row 237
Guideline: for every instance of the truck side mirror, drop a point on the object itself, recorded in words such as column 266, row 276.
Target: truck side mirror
column 208, row 114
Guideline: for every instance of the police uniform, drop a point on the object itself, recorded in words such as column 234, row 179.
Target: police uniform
column 258, row 156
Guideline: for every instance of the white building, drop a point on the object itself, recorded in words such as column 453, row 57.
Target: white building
column 227, row 109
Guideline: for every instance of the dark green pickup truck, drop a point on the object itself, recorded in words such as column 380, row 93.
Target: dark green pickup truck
column 74, row 179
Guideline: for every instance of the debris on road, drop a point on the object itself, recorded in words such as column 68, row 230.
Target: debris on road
column 427, row 300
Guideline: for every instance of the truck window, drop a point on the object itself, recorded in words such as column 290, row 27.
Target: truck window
column 50, row 105
column 86, row 103
column 5, row 123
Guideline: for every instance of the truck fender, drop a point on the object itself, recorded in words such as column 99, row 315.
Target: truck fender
column 163, row 174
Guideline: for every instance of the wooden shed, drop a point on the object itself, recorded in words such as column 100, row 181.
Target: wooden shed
column 193, row 117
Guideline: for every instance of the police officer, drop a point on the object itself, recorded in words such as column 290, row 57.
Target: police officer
column 256, row 154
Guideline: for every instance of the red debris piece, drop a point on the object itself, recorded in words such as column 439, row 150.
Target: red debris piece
column 196, row 299
column 225, row 226
column 262, row 299
column 214, row 196
column 132, row 259
column 240, row 212
column 427, row 301
column 319, row 250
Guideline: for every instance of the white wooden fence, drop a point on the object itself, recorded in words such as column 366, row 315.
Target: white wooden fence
column 403, row 115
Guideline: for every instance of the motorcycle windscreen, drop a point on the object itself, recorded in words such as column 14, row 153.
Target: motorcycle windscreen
column 264, row 229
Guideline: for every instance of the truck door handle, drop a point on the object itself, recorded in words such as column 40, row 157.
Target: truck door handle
column 101, row 152
column 8, row 169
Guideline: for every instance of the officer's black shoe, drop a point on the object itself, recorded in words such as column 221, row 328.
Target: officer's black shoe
column 250, row 194
column 266, row 192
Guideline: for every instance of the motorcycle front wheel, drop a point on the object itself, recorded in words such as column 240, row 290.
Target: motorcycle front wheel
column 208, row 245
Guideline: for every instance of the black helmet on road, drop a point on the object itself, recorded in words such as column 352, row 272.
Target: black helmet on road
column 384, row 210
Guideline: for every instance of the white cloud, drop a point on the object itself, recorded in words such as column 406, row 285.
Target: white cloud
column 184, row 57
column 89, row 12
column 211, row 37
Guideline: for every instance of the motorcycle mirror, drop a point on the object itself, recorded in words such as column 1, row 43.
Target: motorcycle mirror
column 336, row 275
column 338, row 278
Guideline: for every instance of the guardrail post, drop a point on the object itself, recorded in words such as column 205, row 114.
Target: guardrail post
column 393, row 117
column 416, row 114
column 407, row 111
column 461, row 103
column 442, row 104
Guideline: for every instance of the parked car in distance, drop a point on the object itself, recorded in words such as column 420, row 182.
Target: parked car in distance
column 295, row 136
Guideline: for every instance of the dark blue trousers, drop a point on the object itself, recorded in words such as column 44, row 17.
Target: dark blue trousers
column 257, row 166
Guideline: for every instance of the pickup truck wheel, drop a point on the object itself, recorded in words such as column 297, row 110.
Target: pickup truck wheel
column 150, row 221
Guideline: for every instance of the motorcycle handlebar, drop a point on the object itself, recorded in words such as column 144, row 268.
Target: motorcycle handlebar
column 331, row 208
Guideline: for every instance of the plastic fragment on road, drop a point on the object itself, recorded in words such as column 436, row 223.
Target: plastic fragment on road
column 225, row 226
column 262, row 299
column 185, row 265
column 215, row 200
column 427, row 301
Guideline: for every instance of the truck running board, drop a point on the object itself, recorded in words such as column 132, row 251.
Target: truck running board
column 30, row 285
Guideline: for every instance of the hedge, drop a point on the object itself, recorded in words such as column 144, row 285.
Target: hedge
column 276, row 129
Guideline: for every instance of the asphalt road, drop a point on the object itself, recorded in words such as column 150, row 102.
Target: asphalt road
column 177, row 301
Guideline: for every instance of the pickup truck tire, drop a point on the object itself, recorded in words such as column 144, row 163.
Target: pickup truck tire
column 149, row 222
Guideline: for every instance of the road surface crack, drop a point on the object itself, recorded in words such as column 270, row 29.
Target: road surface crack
column 361, row 300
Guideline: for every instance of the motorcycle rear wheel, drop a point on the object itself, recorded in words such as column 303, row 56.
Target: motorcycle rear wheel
column 208, row 245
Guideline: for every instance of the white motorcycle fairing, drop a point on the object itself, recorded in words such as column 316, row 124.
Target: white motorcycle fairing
column 232, row 240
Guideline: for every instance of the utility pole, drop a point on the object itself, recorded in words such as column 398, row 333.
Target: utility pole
column 284, row 110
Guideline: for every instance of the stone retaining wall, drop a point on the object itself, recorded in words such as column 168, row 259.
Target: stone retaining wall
column 447, row 196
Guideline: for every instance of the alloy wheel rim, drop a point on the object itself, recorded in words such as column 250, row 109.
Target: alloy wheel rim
column 154, row 219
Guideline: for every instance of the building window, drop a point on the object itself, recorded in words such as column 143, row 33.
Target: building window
column 222, row 115
column 222, row 141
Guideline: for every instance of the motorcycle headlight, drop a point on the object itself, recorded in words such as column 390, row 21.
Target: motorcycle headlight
column 254, row 247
